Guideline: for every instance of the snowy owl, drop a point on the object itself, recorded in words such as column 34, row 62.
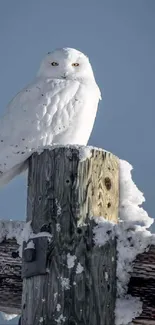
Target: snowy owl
column 58, row 107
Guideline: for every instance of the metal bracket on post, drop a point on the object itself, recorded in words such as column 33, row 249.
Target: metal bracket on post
column 34, row 258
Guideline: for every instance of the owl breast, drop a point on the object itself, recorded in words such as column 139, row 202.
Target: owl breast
column 71, row 114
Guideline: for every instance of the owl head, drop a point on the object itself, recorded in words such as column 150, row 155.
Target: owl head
column 66, row 63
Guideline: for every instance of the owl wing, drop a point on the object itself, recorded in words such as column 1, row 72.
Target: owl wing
column 33, row 118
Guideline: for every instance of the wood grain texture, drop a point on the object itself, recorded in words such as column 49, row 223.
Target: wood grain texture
column 142, row 284
column 63, row 194
column 10, row 277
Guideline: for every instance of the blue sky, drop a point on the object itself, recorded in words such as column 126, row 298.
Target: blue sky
column 118, row 37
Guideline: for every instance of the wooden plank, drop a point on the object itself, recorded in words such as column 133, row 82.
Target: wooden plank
column 10, row 277
column 142, row 284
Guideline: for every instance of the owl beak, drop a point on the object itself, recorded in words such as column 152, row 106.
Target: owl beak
column 64, row 76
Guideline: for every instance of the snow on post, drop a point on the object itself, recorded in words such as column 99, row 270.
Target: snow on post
column 133, row 239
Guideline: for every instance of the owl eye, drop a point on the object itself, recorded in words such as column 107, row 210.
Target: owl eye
column 54, row 64
column 75, row 64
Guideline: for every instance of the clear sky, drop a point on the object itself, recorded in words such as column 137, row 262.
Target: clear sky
column 119, row 38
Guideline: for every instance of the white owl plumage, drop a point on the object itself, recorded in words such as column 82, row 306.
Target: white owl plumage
column 58, row 107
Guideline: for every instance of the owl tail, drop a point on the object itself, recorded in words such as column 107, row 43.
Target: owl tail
column 13, row 172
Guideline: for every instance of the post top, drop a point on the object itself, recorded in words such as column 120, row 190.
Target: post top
column 84, row 151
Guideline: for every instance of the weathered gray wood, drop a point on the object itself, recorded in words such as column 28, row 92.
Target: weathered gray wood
column 10, row 266
column 63, row 193
column 143, row 322
column 10, row 277
column 142, row 284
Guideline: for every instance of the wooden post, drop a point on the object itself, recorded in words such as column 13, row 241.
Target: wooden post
column 64, row 192
column 84, row 288
column 142, row 278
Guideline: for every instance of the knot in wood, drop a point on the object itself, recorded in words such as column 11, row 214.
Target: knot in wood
column 68, row 181
column 107, row 183
column 79, row 231
column 15, row 254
